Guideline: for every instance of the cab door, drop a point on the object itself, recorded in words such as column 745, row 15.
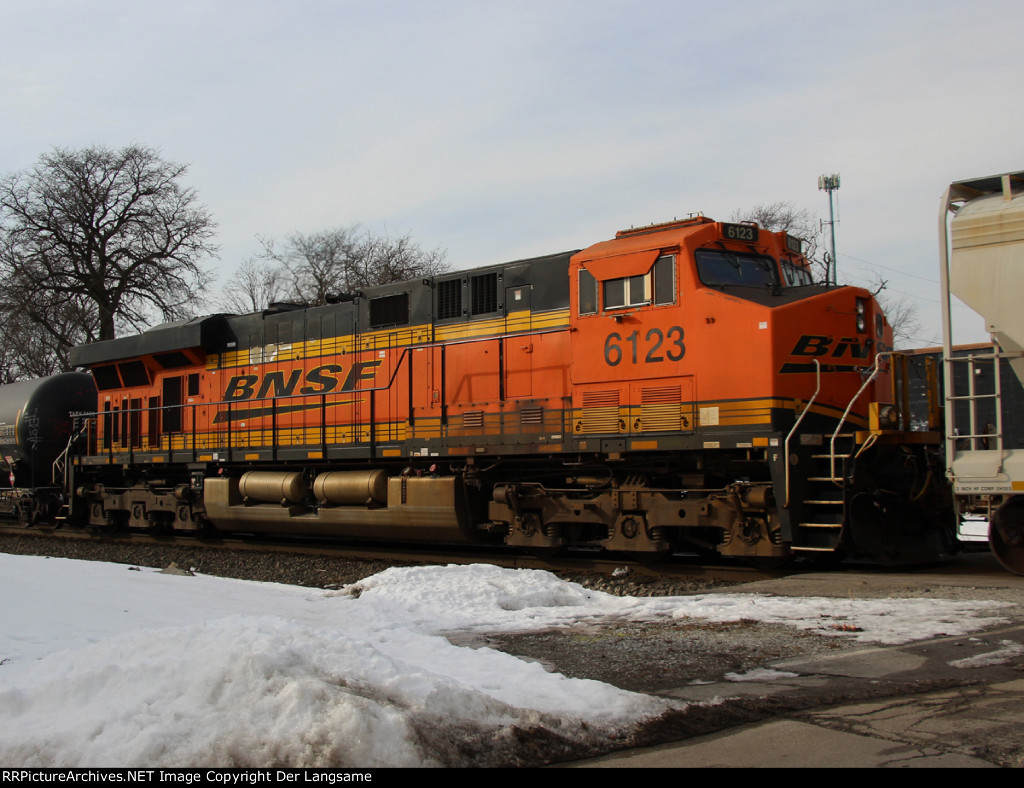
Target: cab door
column 518, row 350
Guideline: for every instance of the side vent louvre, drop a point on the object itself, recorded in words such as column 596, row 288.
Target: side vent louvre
column 660, row 409
column 531, row 416
column 600, row 411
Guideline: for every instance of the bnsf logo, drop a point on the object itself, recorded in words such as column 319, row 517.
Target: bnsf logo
column 810, row 345
column 814, row 346
column 319, row 380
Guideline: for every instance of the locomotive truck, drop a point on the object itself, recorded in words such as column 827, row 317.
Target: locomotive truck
column 681, row 386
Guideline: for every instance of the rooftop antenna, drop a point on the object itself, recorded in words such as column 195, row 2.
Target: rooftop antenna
column 830, row 183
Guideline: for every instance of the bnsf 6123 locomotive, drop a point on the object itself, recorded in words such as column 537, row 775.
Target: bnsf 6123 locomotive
column 682, row 386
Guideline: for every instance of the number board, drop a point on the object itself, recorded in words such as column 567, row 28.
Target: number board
column 740, row 232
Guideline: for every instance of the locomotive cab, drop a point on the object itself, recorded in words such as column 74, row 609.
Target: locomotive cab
column 716, row 379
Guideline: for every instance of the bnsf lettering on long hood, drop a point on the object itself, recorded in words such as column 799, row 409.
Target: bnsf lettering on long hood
column 319, row 380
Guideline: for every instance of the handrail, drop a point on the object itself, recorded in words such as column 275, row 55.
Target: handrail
column 792, row 432
column 170, row 443
column 274, row 403
column 60, row 464
column 849, row 407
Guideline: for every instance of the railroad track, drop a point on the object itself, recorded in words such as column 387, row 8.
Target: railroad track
column 680, row 567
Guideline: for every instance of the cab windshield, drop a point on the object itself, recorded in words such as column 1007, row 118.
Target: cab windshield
column 795, row 276
column 718, row 267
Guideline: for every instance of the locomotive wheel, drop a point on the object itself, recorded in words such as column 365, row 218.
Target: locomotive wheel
column 1006, row 535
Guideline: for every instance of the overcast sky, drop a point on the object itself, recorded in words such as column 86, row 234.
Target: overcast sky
column 499, row 130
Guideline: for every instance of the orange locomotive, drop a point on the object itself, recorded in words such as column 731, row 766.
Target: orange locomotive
column 684, row 385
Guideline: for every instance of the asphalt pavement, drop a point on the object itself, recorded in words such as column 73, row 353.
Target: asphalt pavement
column 939, row 703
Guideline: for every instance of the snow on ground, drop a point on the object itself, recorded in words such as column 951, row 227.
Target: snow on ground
column 760, row 674
column 102, row 665
column 1008, row 650
column 973, row 529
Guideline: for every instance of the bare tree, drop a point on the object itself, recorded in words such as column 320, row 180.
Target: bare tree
column 27, row 350
column 783, row 216
column 36, row 336
column 381, row 259
column 253, row 287
column 317, row 265
column 315, row 268
column 107, row 237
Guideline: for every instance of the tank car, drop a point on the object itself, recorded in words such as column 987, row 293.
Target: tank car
column 36, row 422
column 680, row 386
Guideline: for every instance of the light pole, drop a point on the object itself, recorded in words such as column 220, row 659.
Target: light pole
column 830, row 183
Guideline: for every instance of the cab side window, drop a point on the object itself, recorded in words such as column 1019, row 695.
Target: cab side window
column 657, row 287
column 588, row 293
column 664, row 275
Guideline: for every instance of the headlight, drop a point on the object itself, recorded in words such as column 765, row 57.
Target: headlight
column 862, row 320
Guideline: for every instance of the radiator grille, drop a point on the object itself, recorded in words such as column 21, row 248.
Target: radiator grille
column 484, row 289
column 449, row 299
column 660, row 409
column 600, row 411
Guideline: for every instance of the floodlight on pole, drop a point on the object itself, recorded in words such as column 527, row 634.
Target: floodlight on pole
column 830, row 183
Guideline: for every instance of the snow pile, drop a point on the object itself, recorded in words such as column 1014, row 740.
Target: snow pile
column 255, row 691
column 487, row 598
column 102, row 666
column 492, row 599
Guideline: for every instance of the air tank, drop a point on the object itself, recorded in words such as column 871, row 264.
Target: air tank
column 36, row 422
column 273, row 486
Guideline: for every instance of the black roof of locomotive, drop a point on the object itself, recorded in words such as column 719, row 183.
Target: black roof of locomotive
column 205, row 332
column 547, row 276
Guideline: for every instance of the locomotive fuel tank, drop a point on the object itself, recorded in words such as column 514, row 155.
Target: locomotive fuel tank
column 35, row 423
